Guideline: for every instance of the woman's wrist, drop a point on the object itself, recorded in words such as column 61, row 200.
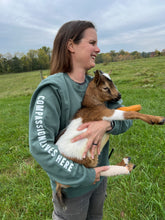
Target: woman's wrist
column 108, row 126
column 111, row 125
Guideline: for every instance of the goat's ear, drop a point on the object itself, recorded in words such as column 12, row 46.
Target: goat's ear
column 97, row 77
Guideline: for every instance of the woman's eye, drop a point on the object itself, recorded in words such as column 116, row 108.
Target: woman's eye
column 92, row 42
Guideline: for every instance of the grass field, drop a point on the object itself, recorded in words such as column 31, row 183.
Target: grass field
column 25, row 191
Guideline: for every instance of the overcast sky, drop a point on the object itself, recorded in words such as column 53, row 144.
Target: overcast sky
column 121, row 24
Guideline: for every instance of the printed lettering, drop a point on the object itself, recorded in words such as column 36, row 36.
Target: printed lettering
column 41, row 138
column 43, row 142
column 41, row 133
column 47, row 148
column 38, row 118
column 39, row 126
column 66, row 165
column 40, row 107
column 63, row 161
column 40, row 102
column 43, row 146
column 39, row 113
column 54, row 153
column 58, row 159
column 40, row 129
column 41, row 97
column 70, row 167
column 50, row 150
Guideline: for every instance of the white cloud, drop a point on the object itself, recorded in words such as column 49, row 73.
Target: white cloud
column 141, row 39
column 131, row 25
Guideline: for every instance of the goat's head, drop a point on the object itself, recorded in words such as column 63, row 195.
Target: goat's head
column 105, row 90
column 100, row 90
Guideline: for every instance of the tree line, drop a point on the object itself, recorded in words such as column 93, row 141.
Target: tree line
column 114, row 56
column 40, row 59
column 33, row 60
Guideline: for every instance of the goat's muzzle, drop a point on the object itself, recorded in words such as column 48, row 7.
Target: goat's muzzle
column 117, row 98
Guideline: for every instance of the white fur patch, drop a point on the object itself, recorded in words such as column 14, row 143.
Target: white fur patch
column 118, row 115
column 66, row 147
column 107, row 76
column 115, row 170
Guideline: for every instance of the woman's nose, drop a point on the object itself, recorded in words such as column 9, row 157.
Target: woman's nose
column 97, row 49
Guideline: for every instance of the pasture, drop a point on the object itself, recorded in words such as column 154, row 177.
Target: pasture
column 25, row 191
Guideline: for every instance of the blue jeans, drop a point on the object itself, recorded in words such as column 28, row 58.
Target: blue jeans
column 86, row 207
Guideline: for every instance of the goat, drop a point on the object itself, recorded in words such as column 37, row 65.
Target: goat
column 99, row 90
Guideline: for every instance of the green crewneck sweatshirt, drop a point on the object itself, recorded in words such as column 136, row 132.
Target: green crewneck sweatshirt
column 53, row 104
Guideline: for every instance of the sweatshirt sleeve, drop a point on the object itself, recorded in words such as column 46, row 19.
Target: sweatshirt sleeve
column 44, row 125
column 119, row 126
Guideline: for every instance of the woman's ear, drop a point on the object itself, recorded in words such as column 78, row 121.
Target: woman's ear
column 70, row 46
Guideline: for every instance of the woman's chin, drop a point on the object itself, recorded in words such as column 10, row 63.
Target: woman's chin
column 92, row 64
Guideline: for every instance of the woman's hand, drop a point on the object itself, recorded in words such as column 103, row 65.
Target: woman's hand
column 94, row 134
column 98, row 171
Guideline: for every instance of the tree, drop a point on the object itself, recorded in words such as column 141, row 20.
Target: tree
column 99, row 58
column 113, row 55
column 43, row 58
column 1, row 63
column 107, row 58
column 136, row 54
column 16, row 65
column 122, row 52
column 32, row 55
column 145, row 55
column 26, row 63
column 163, row 52
column 157, row 53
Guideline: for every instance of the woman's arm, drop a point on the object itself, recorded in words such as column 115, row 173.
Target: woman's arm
column 44, row 125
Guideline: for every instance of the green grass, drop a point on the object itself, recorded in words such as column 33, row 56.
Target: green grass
column 17, row 84
column 25, row 191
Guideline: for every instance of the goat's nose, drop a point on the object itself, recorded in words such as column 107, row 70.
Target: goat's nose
column 119, row 96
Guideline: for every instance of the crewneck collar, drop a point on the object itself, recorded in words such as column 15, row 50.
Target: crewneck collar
column 77, row 83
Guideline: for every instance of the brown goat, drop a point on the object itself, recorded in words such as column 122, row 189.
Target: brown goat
column 100, row 90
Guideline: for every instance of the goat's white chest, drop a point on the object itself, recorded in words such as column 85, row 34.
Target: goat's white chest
column 66, row 147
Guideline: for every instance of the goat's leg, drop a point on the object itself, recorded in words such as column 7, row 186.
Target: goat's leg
column 125, row 162
column 123, row 115
column 115, row 170
column 124, row 167
column 150, row 119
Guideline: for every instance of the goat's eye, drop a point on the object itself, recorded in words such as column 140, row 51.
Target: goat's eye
column 106, row 89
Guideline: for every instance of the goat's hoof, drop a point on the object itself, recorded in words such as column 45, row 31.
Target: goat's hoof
column 129, row 159
column 162, row 122
column 130, row 167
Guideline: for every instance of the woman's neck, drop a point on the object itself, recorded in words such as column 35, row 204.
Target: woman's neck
column 77, row 76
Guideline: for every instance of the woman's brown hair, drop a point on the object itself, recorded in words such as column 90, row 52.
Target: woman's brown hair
column 61, row 59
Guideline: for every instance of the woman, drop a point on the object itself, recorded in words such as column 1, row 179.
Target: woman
column 53, row 105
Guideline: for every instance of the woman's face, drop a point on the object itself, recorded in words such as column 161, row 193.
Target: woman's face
column 85, row 52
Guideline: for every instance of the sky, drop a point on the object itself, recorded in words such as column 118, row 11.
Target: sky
column 131, row 25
